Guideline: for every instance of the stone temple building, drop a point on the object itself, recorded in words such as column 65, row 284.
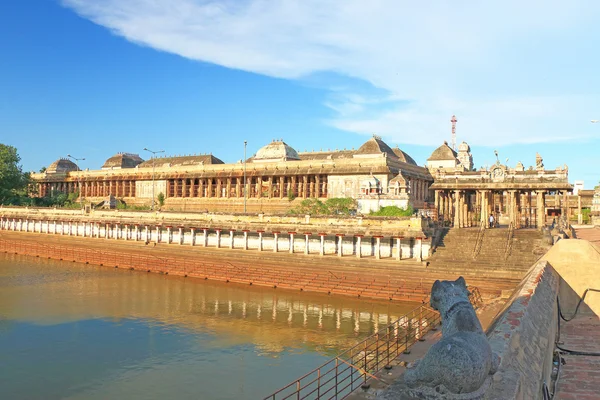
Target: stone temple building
column 374, row 174
column 447, row 188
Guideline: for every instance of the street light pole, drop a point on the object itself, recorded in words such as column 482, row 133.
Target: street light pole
column 245, row 184
column 79, row 180
column 153, row 156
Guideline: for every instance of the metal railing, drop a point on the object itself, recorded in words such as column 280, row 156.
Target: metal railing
column 479, row 240
column 509, row 237
column 340, row 376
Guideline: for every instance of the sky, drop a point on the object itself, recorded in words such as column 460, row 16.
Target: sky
column 92, row 78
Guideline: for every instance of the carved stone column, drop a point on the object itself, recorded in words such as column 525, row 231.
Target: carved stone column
column 457, row 208
column 541, row 208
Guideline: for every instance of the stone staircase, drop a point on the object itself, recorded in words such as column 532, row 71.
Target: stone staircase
column 497, row 258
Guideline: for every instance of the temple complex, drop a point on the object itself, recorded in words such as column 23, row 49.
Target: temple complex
column 448, row 188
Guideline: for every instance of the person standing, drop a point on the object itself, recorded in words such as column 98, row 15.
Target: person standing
column 491, row 221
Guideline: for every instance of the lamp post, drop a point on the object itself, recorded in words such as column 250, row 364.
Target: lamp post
column 245, row 185
column 79, row 178
column 153, row 156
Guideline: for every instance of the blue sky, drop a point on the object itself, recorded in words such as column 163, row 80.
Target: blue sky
column 95, row 77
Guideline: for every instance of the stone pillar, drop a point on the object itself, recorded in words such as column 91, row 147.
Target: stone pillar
column 260, row 240
column 291, row 242
column 437, row 201
column 157, row 239
column 483, row 217
column 193, row 239
column 231, row 233
column 358, row 246
column 117, row 231
column 146, row 233
column 181, row 238
column 306, row 242
column 579, row 216
column 322, row 248
column 205, row 237
column 340, row 244
column 419, row 250
column 218, row 231
column 457, row 208
column 275, row 242
column 541, row 208
column 513, row 208
column 565, row 206
column 27, row 221
column 377, row 247
column 245, row 239
column 399, row 248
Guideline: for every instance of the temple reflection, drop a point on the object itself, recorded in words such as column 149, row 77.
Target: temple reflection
column 271, row 319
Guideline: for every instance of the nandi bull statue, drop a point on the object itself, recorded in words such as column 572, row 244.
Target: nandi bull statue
column 458, row 366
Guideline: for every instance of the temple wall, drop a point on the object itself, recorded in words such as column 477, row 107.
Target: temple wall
column 523, row 336
column 349, row 185
column 143, row 189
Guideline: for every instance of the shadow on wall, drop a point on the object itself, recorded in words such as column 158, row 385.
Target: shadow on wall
column 526, row 332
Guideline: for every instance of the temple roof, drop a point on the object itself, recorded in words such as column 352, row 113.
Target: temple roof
column 173, row 161
column 402, row 156
column 62, row 166
column 444, row 152
column 123, row 160
column 277, row 150
column 327, row 155
column 375, row 146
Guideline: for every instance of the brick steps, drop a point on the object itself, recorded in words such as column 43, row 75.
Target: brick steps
column 455, row 254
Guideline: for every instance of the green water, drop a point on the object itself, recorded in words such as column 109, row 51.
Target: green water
column 73, row 331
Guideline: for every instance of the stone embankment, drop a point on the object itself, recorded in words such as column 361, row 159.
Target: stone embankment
column 212, row 256
column 375, row 237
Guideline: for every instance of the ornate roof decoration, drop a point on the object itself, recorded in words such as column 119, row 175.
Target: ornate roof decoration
column 444, row 152
column 123, row 160
column 174, row 161
column 277, row 150
column 62, row 166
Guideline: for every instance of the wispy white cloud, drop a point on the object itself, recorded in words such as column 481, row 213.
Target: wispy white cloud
column 498, row 65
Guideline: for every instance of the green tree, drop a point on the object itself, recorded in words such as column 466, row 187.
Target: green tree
column 161, row 199
column 13, row 182
column 340, row 205
column 393, row 211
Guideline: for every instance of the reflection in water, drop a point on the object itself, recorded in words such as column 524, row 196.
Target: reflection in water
column 76, row 331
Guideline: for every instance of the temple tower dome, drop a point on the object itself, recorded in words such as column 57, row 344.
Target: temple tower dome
column 61, row 166
column 277, row 150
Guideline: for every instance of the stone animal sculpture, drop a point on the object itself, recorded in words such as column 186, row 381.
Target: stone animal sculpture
column 462, row 360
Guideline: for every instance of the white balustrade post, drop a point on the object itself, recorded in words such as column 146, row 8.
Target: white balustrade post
column 306, row 243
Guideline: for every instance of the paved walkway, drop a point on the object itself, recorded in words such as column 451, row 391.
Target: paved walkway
column 580, row 376
column 589, row 234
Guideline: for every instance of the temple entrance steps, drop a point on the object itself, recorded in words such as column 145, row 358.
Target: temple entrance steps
column 499, row 253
